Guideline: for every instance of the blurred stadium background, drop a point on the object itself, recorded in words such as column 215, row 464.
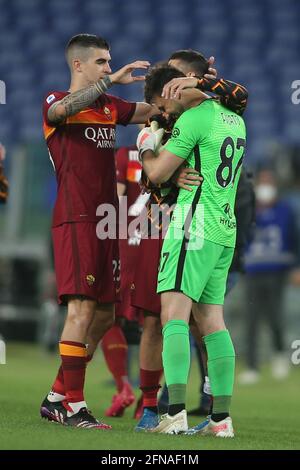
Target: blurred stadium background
column 255, row 42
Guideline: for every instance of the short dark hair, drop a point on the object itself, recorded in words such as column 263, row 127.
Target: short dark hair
column 87, row 40
column 157, row 78
column 194, row 59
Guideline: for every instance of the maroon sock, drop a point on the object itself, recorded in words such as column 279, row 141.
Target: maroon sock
column 150, row 385
column 89, row 357
column 73, row 356
column 115, row 348
column 59, row 386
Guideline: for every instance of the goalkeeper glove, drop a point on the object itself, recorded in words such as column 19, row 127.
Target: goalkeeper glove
column 149, row 138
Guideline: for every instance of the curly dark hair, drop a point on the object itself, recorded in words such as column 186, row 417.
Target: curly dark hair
column 157, row 78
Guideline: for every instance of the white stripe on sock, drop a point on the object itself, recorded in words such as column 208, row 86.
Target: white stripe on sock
column 54, row 397
column 76, row 407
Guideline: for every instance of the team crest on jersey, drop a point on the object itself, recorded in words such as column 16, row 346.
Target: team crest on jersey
column 50, row 99
column 175, row 132
column 90, row 279
column 107, row 112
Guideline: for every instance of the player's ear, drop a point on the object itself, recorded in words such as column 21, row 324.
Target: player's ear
column 77, row 65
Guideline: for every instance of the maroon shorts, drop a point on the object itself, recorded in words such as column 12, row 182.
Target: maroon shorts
column 85, row 265
column 144, row 294
column 129, row 260
column 124, row 309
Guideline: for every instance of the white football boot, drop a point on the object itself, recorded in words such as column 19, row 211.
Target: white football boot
column 176, row 424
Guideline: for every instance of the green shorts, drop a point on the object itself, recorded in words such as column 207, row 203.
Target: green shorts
column 196, row 267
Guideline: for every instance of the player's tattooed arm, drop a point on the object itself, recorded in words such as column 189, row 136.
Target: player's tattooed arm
column 233, row 95
column 77, row 101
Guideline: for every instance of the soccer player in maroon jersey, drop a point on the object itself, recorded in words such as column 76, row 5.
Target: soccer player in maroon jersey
column 144, row 296
column 79, row 127
column 114, row 344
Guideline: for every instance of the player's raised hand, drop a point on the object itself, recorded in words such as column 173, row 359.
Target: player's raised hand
column 124, row 75
column 212, row 72
column 173, row 89
column 186, row 178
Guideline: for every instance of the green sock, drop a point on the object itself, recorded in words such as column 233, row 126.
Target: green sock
column 176, row 359
column 221, row 363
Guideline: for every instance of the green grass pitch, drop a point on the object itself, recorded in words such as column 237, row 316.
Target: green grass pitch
column 265, row 416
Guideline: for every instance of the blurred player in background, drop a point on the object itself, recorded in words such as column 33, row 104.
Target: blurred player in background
column 193, row 64
column 269, row 258
column 79, row 127
column 114, row 344
column 3, row 179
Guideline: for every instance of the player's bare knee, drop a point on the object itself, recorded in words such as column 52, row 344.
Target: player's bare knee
column 103, row 320
column 209, row 318
column 80, row 313
column 211, row 324
column 105, row 313
column 152, row 327
column 108, row 322
column 168, row 314
column 154, row 335
column 175, row 306
column 78, row 322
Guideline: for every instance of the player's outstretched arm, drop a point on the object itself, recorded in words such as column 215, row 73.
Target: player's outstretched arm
column 159, row 169
column 143, row 111
column 79, row 100
column 174, row 87
column 233, row 95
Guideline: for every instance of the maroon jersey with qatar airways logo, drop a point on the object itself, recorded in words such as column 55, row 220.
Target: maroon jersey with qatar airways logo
column 82, row 152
